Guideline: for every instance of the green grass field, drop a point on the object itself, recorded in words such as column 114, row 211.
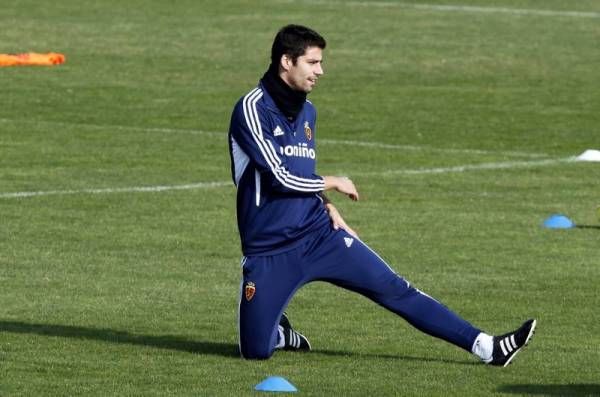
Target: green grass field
column 456, row 120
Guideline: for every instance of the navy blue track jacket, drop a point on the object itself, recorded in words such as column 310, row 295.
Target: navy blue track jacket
column 273, row 166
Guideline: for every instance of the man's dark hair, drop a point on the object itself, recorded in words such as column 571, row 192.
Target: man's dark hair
column 293, row 40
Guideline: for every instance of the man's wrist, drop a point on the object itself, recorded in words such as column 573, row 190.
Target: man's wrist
column 330, row 182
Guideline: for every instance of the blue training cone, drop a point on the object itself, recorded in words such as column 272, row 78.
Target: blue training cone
column 558, row 221
column 275, row 383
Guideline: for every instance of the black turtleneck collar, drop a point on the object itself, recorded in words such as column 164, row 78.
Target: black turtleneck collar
column 288, row 100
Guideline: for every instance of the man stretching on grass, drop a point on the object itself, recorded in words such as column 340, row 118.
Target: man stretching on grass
column 290, row 232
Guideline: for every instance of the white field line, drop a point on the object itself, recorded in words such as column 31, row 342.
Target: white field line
column 462, row 8
column 130, row 189
column 334, row 142
column 379, row 145
column 216, row 184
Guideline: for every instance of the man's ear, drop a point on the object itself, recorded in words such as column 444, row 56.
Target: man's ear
column 286, row 62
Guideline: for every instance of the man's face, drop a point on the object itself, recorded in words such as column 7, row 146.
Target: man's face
column 304, row 74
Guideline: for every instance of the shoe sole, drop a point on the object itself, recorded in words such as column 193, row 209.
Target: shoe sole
column 531, row 332
column 307, row 341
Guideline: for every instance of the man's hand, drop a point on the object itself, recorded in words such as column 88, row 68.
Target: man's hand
column 341, row 184
column 337, row 221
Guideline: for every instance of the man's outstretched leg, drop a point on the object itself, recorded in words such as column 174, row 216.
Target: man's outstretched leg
column 347, row 262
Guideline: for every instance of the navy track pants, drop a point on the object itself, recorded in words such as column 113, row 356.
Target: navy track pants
column 334, row 256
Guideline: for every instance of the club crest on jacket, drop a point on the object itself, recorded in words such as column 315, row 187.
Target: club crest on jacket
column 307, row 131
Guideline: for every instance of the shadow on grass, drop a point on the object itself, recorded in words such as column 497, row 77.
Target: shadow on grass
column 553, row 390
column 395, row 357
column 108, row 335
column 587, row 226
column 178, row 343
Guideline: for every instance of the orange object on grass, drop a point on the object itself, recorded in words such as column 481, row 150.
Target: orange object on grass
column 32, row 58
